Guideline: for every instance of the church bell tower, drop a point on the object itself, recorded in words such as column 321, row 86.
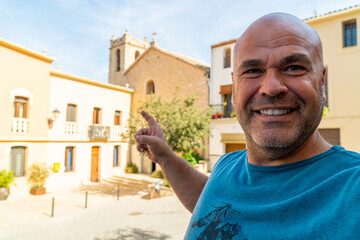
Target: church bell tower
column 123, row 52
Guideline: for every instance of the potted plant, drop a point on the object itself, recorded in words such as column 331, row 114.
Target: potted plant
column 38, row 172
column 6, row 178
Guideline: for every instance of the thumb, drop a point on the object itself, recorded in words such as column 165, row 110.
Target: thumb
column 145, row 139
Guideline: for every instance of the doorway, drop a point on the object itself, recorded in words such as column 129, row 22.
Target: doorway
column 153, row 166
column 232, row 147
column 17, row 161
column 94, row 176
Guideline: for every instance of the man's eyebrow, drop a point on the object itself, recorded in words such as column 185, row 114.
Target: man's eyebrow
column 249, row 63
column 298, row 57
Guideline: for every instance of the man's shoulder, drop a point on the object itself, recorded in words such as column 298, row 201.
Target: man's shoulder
column 346, row 153
column 229, row 159
column 233, row 156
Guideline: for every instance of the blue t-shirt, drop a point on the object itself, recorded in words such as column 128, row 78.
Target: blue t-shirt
column 317, row 198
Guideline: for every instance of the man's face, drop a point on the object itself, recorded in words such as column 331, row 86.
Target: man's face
column 278, row 90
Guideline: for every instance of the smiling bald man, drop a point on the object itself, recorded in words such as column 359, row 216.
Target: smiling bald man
column 289, row 183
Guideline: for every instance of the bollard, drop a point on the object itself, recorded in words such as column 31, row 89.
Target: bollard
column 118, row 192
column 158, row 187
column 52, row 207
column 86, row 197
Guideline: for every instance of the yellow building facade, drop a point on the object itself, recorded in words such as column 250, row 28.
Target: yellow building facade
column 60, row 119
column 338, row 32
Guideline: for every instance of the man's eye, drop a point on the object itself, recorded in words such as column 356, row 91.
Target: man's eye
column 295, row 69
column 252, row 73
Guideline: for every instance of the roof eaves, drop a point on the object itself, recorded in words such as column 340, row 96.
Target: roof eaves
column 224, row 43
column 25, row 51
column 332, row 14
column 176, row 56
column 90, row 82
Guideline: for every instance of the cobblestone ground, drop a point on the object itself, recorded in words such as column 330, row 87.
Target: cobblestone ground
column 105, row 218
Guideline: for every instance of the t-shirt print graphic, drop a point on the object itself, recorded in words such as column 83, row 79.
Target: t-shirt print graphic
column 214, row 225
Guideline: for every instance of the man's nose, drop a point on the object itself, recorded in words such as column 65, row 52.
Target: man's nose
column 272, row 84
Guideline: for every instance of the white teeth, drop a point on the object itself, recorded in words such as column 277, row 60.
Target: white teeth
column 274, row 111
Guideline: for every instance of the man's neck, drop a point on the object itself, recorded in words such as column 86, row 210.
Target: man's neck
column 313, row 146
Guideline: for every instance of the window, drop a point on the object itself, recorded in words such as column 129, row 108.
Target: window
column 332, row 136
column 97, row 116
column 117, row 118
column 71, row 111
column 226, row 95
column 118, row 60
column 117, row 152
column 150, row 87
column 20, row 107
column 69, row 159
column 227, row 58
column 350, row 38
column 18, row 161
column 137, row 54
column 227, row 105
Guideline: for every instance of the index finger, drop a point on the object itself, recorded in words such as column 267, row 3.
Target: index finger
column 149, row 119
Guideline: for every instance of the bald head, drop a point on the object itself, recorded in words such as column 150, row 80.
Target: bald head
column 274, row 29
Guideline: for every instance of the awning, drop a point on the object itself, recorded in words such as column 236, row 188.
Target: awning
column 233, row 138
column 226, row 89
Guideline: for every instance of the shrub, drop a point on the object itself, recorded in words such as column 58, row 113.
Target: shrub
column 192, row 157
column 38, row 172
column 166, row 182
column 157, row 174
column 6, row 178
column 131, row 168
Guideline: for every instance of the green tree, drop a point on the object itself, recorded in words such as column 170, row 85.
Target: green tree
column 184, row 124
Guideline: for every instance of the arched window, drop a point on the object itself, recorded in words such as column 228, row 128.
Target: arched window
column 227, row 58
column 150, row 87
column 118, row 60
column 137, row 54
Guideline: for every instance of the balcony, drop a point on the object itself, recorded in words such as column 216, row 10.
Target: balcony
column 221, row 111
column 71, row 128
column 99, row 132
column 117, row 130
column 20, row 125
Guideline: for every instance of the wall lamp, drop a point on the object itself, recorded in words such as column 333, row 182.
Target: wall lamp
column 54, row 115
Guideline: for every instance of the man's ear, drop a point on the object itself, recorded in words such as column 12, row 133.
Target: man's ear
column 233, row 95
column 323, row 78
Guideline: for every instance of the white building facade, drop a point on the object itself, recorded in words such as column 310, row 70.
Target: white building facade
column 227, row 135
column 86, row 138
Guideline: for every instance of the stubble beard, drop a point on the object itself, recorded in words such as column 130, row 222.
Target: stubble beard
column 277, row 147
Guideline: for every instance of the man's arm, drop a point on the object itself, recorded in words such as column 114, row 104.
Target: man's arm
column 187, row 182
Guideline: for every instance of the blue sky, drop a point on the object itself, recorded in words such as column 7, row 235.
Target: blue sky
column 77, row 33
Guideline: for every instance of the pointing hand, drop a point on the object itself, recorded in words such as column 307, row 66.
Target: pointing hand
column 152, row 141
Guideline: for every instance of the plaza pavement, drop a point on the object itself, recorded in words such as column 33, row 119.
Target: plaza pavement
column 133, row 216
